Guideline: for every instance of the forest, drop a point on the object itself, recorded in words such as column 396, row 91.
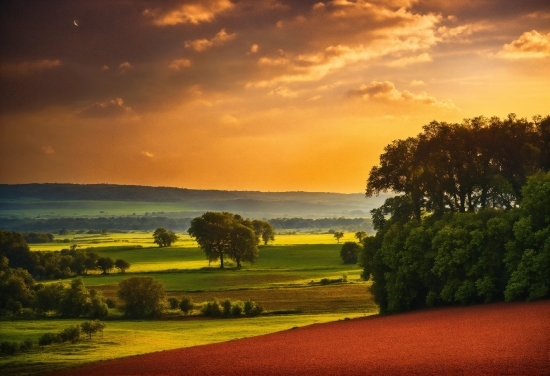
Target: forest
column 472, row 221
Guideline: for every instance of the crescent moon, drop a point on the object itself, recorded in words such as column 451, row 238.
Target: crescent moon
column 75, row 23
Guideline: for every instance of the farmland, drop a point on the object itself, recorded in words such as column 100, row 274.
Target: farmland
column 286, row 278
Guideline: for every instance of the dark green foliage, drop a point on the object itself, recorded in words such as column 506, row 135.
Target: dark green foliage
column 16, row 288
column 70, row 334
column 110, row 303
column 9, row 347
column 143, row 297
column 106, row 264
column 40, row 237
column 91, row 327
column 173, row 303
column 252, row 309
column 48, row 297
column 463, row 258
column 164, row 237
column 264, row 230
column 221, row 234
column 122, row 265
column 78, row 301
column 186, row 305
column 212, row 309
column 338, row 235
column 349, row 252
column 48, row 338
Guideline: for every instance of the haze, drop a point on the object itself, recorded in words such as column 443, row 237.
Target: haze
column 254, row 94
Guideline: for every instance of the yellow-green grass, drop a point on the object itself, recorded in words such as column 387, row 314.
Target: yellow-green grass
column 127, row 338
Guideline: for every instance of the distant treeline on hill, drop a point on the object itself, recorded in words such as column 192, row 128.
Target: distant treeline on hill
column 147, row 223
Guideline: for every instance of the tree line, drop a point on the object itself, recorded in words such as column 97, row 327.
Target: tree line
column 57, row 264
column 473, row 221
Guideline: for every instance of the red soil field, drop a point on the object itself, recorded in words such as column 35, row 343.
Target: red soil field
column 492, row 339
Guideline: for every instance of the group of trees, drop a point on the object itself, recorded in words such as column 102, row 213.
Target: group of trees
column 53, row 265
column 481, row 163
column 164, row 237
column 223, row 234
column 471, row 225
column 19, row 291
column 350, row 224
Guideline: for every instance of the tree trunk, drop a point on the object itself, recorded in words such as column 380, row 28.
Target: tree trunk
column 221, row 260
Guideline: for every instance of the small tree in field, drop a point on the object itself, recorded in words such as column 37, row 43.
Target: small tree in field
column 350, row 252
column 164, row 237
column 105, row 264
column 338, row 235
column 142, row 296
column 122, row 265
column 186, row 305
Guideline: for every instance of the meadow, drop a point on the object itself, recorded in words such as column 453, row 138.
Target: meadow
column 285, row 279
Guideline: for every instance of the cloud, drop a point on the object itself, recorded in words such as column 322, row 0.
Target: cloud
column 254, row 49
column 386, row 91
column 193, row 13
column 530, row 45
column 422, row 58
column 204, row 44
column 178, row 64
column 48, row 150
column 147, row 154
column 283, row 92
column 125, row 67
column 417, row 83
column 113, row 107
column 30, row 67
column 105, row 68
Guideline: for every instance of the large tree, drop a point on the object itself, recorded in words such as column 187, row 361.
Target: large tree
column 164, row 237
column 142, row 296
column 222, row 234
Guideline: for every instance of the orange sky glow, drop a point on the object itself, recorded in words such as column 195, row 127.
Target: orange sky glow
column 266, row 95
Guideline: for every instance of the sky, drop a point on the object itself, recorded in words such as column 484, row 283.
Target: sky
column 268, row 95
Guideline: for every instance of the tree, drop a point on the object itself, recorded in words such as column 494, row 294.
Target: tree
column 349, row 252
column 264, row 230
column 222, row 234
column 186, row 305
column 48, row 297
column 122, row 265
column 91, row 327
column 338, row 235
column 143, row 297
column 105, row 264
column 359, row 235
column 163, row 237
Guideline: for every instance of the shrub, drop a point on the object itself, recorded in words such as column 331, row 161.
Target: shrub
column 110, row 303
column 226, row 307
column 212, row 309
column 237, row 309
column 173, row 302
column 70, row 334
column 186, row 305
column 27, row 344
column 9, row 347
column 48, row 339
column 252, row 309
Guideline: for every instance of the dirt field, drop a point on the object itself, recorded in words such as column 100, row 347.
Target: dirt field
column 495, row 339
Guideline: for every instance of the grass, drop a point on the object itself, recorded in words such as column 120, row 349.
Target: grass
column 286, row 277
column 128, row 338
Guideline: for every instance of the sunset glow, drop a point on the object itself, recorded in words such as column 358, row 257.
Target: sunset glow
column 270, row 95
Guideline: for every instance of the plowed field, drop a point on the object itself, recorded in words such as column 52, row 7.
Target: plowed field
column 493, row 339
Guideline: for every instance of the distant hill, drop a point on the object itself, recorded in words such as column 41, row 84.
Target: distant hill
column 253, row 204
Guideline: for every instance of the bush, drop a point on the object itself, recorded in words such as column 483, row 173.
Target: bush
column 237, row 309
column 27, row 344
column 252, row 309
column 91, row 327
column 186, row 305
column 48, row 339
column 226, row 307
column 9, row 347
column 212, row 309
column 173, row 302
column 142, row 296
column 70, row 334
column 110, row 303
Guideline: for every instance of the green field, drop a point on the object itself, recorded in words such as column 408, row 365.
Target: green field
column 286, row 277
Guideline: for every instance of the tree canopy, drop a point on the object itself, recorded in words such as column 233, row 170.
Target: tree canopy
column 264, row 230
column 472, row 223
column 164, row 237
column 222, row 234
column 143, row 297
column 464, row 167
